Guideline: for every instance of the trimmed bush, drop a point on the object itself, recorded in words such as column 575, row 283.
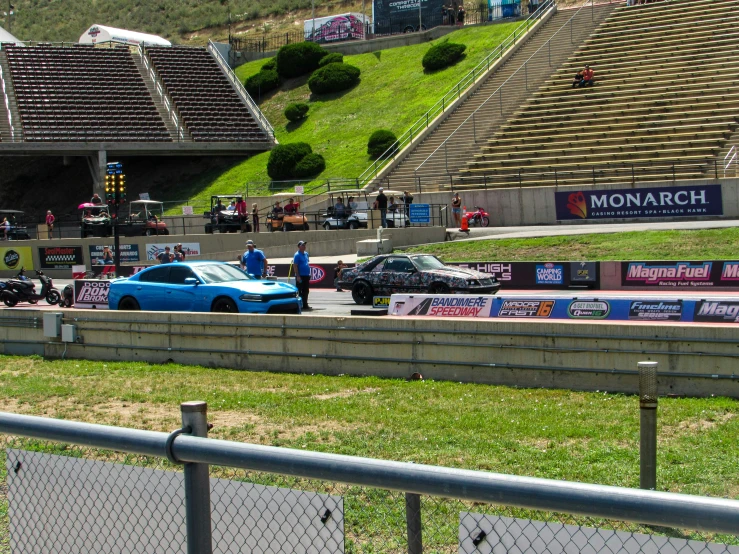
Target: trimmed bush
column 262, row 82
column 311, row 165
column 296, row 112
column 333, row 77
column 379, row 142
column 442, row 55
column 333, row 57
column 294, row 60
column 284, row 157
column 271, row 64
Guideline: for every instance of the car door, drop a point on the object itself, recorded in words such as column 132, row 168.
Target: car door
column 150, row 290
column 399, row 275
column 181, row 297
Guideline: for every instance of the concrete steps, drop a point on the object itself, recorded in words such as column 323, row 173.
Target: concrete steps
column 6, row 133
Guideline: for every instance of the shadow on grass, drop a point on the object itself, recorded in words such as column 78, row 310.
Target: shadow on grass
column 333, row 95
column 294, row 125
column 432, row 71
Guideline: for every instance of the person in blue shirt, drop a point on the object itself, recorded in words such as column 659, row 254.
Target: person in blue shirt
column 253, row 261
column 301, row 267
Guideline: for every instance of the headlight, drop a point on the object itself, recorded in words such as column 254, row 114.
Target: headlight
column 473, row 283
column 251, row 297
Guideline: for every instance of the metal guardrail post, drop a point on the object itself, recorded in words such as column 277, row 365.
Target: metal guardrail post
column 197, row 484
column 648, row 425
column 413, row 523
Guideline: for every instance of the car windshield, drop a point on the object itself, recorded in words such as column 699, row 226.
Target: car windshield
column 427, row 262
column 221, row 273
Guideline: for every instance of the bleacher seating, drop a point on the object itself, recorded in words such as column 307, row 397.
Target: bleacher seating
column 82, row 94
column 663, row 102
column 204, row 97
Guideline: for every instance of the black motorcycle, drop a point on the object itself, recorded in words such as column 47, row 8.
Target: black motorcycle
column 22, row 289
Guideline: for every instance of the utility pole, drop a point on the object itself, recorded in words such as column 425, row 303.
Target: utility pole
column 8, row 15
column 313, row 17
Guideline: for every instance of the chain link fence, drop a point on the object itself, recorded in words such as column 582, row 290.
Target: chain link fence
column 62, row 497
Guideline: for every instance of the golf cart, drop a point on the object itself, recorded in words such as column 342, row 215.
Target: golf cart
column 18, row 230
column 223, row 218
column 395, row 217
column 144, row 218
column 352, row 218
column 295, row 221
column 95, row 220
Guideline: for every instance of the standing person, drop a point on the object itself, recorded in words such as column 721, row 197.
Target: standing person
column 255, row 217
column 179, row 253
column 407, row 201
column 166, row 256
column 241, row 213
column 381, row 204
column 337, row 275
column 460, row 16
column 5, row 225
column 50, row 223
column 443, row 14
column 457, row 209
column 301, row 267
column 253, row 261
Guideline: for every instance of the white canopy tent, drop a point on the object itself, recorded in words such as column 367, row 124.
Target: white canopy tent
column 5, row 36
column 98, row 34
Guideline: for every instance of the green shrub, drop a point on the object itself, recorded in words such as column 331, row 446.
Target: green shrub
column 296, row 112
column 298, row 59
column 333, row 77
column 442, row 55
column 262, row 82
column 333, row 57
column 284, row 157
column 271, row 64
column 311, row 165
column 379, row 142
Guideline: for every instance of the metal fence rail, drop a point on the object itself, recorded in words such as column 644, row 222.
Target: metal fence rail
column 385, row 506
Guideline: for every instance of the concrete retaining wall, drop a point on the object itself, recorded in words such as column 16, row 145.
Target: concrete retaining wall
column 694, row 360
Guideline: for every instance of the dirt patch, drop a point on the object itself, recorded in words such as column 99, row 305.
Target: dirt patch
column 344, row 393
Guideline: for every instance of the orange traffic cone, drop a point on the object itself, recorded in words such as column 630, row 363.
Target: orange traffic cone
column 465, row 228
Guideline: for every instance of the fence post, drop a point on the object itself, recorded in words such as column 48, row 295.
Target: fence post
column 648, row 425
column 715, row 168
column 413, row 523
column 197, row 483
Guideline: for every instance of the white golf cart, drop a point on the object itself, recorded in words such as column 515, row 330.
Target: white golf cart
column 353, row 217
column 395, row 212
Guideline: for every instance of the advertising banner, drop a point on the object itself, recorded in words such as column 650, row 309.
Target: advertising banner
column 334, row 28
column 91, row 293
column 16, row 258
column 189, row 248
column 129, row 253
column 60, row 257
column 539, row 275
column 694, row 274
column 639, row 203
column 402, row 15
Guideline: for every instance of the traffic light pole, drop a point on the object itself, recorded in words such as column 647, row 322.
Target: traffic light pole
column 116, row 244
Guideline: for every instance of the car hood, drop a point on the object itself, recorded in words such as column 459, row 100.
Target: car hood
column 460, row 273
column 256, row 286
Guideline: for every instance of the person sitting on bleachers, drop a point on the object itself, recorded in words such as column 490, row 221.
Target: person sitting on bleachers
column 588, row 77
column 339, row 209
column 577, row 80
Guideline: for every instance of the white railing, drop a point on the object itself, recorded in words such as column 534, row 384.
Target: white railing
column 241, row 91
column 729, row 159
column 7, row 107
column 163, row 96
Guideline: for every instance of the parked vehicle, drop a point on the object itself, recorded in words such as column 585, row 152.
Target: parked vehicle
column 395, row 215
column 202, row 287
column 145, row 217
column 352, row 218
column 479, row 217
column 420, row 273
column 223, row 218
column 95, row 220
column 22, row 289
column 18, row 229
column 296, row 221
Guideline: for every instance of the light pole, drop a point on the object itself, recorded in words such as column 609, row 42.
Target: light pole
column 8, row 14
column 313, row 17
column 420, row 22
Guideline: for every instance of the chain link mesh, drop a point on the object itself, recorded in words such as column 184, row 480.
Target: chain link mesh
column 303, row 515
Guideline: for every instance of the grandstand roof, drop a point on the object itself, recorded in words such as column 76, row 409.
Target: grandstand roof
column 5, row 36
column 100, row 33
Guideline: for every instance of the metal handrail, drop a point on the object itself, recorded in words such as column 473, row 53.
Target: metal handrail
column 7, row 107
column 479, row 71
column 241, row 91
column 498, row 91
column 732, row 159
column 160, row 88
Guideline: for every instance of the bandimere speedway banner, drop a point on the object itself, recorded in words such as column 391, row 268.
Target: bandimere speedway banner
column 16, row 258
column 690, row 201
column 611, row 309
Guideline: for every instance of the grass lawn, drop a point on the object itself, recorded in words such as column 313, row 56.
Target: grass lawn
column 393, row 93
column 707, row 244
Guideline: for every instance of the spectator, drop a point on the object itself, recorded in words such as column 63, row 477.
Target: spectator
column 277, row 211
column 453, row 14
column 166, row 256
column 381, row 204
column 337, row 275
column 253, row 261
column 50, row 223
column 457, row 209
column 352, row 204
column 5, row 224
column 291, row 207
column 460, row 16
column 588, row 77
column 232, row 206
column 219, row 207
column 241, row 213
column 577, row 81
column 301, row 267
column 255, row 217
column 444, row 14
column 96, row 199
column 339, row 209
column 393, row 205
column 179, row 253
column 107, row 256
column 407, row 201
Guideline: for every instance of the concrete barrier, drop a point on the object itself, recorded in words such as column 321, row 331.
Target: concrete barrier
column 698, row 360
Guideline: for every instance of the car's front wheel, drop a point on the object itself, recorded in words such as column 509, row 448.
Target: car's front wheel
column 353, row 225
column 128, row 304
column 362, row 292
column 438, row 288
column 225, row 306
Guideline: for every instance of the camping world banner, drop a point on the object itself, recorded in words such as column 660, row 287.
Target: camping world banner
column 639, row 203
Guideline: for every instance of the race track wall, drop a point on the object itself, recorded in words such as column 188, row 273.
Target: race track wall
column 695, row 360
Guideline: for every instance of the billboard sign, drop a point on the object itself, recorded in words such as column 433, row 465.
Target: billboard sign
column 60, row 257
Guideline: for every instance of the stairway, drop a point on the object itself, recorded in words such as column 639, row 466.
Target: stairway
column 665, row 103
column 466, row 141
column 151, row 85
column 5, row 130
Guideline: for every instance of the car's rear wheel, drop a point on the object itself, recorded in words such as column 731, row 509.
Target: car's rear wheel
column 165, row 231
column 485, row 222
column 327, row 226
column 390, row 223
column 225, row 306
column 354, row 225
column 306, row 227
column 439, row 288
column 362, row 292
column 128, row 304
column 149, row 232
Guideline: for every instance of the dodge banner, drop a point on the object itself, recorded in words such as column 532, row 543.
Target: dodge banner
column 91, row 293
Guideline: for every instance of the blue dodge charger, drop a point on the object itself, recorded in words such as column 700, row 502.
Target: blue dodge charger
column 202, row 287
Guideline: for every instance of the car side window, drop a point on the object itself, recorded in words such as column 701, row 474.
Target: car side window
column 178, row 274
column 157, row 275
column 398, row 265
